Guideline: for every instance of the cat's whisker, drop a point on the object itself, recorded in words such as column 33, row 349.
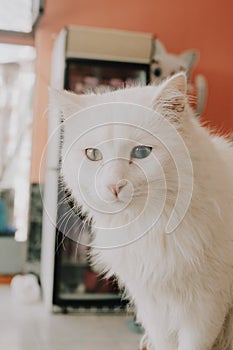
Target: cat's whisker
column 80, row 236
column 66, row 223
column 73, row 225
column 65, row 233
column 62, row 232
column 64, row 215
column 62, row 201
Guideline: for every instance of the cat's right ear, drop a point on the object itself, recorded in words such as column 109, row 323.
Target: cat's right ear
column 65, row 102
column 190, row 58
column 171, row 99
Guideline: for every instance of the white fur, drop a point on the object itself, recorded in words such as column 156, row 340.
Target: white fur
column 181, row 283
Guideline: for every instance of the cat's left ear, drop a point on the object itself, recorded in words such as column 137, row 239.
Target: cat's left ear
column 67, row 103
column 171, row 99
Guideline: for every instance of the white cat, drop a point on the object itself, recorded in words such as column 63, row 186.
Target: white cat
column 165, row 64
column 159, row 189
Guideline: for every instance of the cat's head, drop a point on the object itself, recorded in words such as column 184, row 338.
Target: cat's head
column 166, row 64
column 119, row 147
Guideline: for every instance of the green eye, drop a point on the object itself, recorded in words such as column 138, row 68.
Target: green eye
column 140, row 152
column 93, row 154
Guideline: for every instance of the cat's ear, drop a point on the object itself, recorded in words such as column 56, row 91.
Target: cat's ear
column 171, row 99
column 190, row 58
column 159, row 48
column 67, row 103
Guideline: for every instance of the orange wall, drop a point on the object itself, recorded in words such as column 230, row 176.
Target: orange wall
column 181, row 24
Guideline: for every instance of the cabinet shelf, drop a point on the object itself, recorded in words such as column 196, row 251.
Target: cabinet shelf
column 89, row 296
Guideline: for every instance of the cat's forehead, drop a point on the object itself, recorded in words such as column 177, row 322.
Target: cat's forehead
column 114, row 115
column 139, row 95
column 129, row 114
column 115, row 134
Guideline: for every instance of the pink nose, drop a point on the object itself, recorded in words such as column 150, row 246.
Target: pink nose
column 116, row 188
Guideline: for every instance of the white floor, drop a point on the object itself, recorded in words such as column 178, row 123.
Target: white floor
column 31, row 327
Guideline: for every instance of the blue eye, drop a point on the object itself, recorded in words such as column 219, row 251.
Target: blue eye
column 93, row 154
column 140, row 152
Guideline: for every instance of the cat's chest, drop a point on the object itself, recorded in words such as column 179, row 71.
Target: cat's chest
column 155, row 307
column 147, row 275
